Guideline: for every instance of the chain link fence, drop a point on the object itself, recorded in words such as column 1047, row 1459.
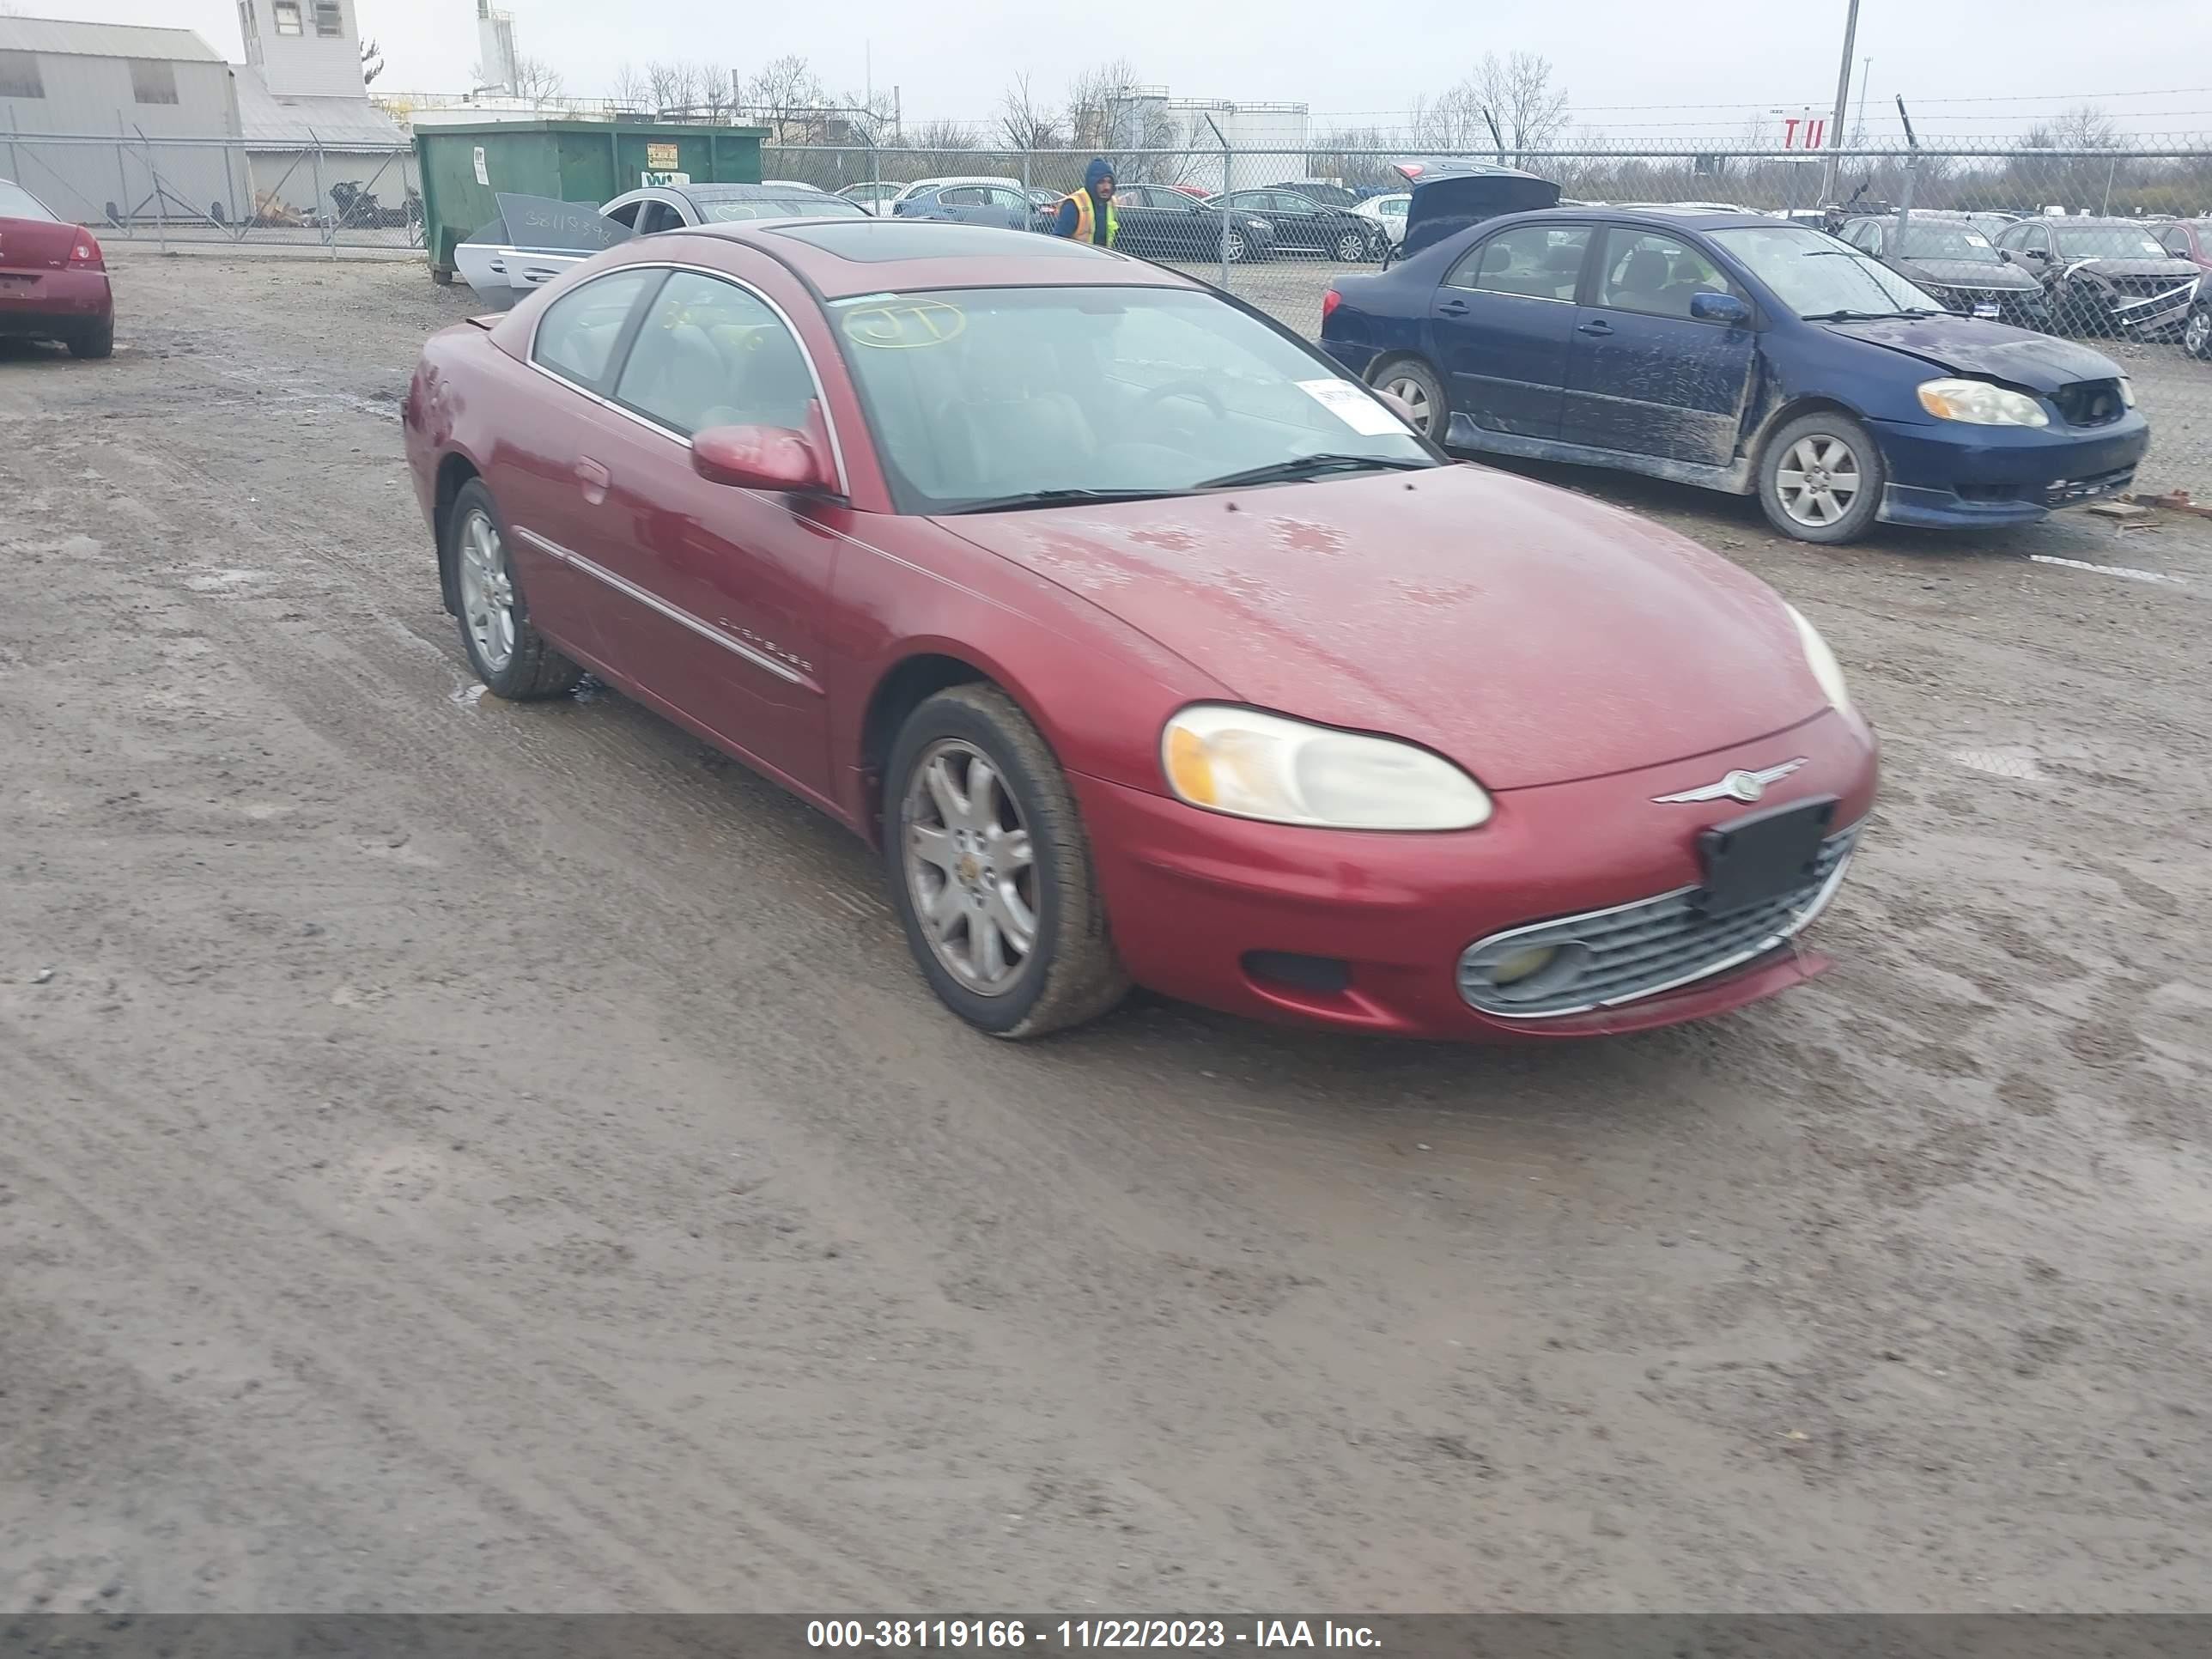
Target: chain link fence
column 2137, row 227
column 2136, row 224
column 235, row 191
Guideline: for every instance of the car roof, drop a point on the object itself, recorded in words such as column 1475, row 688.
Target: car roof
column 2098, row 221
column 742, row 192
column 840, row 259
column 964, row 178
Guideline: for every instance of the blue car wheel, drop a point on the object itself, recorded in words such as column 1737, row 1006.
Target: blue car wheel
column 1821, row 478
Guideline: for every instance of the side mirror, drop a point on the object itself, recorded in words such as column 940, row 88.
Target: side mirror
column 1719, row 308
column 760, row 458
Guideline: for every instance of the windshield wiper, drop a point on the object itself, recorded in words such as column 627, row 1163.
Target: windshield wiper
column 1056, row 497
column 1311, row 466
column 1862, row 316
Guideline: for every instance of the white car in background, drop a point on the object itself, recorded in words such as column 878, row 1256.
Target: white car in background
column 874, row 196
column 1388, row 211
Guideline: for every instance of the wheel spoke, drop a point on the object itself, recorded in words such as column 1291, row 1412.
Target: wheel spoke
column 1824, row 507
column 932, row 846
column 944, row 910
column 951, row 805
column 1789, row 480
column 983, row 794
column 987, row 948
column 1014, row 917
column 1012, row 852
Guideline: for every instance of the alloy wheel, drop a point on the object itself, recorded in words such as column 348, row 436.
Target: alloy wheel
column 1410, row 392
column 971, row 869
column 486, row 590
column 1818, row 480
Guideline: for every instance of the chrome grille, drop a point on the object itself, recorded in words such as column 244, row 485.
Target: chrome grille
column 1640, row 949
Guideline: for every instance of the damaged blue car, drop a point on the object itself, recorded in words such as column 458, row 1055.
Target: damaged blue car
column 1731, row 350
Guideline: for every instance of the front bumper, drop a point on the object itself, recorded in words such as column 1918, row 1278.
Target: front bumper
column 1950, row 475
column 1228, row 913
column 48, row 304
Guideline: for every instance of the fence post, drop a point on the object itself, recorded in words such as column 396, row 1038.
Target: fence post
column 123, row 184
column 315, row 172
column 230, row 189
column 160, row 191
column 1225, row 187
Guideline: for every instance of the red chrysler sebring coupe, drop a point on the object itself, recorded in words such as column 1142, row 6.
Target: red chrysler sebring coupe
column 1147, row 646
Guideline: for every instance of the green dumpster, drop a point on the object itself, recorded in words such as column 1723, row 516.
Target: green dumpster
column 463, row 168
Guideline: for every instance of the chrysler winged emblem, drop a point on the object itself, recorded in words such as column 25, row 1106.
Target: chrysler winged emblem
column 1745, row 787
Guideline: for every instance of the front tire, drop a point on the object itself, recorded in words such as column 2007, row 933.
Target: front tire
column 509, row 655
column 1413, row 383
column 1351, row 247
column 94, row 339
column 1234, row 244
column 1821, row 478
column 990, row 870
column 2197, row 333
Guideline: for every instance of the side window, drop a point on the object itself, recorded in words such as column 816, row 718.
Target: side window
column 1864, row 236
column 2035, row 239
column 961, row 195
column 1654, row 274
column 710, row 354
column 2176, row 242
column 1537, row 261
column 577, row 334
column 626, row 214
column 1283, row 202
column 1001, row 197
column 658, row 215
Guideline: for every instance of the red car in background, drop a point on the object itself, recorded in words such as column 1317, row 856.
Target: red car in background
column 53, row 283
column 1145, row 644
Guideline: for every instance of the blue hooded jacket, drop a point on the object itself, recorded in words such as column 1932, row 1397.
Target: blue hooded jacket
column 1065, row 222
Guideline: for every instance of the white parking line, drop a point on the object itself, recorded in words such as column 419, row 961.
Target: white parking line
column 2131, row 574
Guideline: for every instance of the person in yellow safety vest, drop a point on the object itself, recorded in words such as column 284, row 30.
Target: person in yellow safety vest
column 1088, row 216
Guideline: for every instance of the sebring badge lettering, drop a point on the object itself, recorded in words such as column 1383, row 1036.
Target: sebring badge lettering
column 1745, row 787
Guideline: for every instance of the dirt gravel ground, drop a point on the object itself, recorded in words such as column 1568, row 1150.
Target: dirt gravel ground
column 462, row 1156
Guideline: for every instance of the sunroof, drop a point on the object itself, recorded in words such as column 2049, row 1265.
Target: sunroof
column 874, row 241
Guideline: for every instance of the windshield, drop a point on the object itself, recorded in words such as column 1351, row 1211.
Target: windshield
column 1938, row 240
column 1814, row 274
column 2109, row 242
column 782, row 207
column 982, row 394
column 16, row 202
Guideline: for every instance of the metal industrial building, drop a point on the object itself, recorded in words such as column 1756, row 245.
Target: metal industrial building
column 160, row 127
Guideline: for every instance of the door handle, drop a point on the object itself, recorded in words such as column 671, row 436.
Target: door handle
column 1452, row 308
column 593, row 478
column 1594, row 328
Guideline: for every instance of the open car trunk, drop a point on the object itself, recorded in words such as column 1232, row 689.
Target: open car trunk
column 1449, row 195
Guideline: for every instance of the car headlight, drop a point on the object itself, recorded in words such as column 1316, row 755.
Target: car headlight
column 1827, row 671
column 1979, row 404
column 2127, row 392
column 1251, row 765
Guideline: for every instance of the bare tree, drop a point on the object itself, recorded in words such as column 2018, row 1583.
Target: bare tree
column 1518, row 94
column 631, row 90
column 717, row 90
column 1333, row 156
column 946, row 136
column 786, row 97
column 536, row 80
column 1451, row 120
column 672, row 86
column 1025, row 121
column 372, row 59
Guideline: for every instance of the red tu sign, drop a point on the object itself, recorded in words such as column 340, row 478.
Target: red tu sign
column 1804, row 133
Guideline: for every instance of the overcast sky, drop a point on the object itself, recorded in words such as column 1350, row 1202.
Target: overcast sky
column 1616, row 57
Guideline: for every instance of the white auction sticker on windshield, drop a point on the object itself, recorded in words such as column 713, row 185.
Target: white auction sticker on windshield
column 1353, row 407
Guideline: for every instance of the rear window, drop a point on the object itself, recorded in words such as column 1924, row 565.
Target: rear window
column 782, row 207
column 16, row 202
column 872, row 241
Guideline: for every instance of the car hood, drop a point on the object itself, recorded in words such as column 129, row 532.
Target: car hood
column 1967, row 273
column 1532, row 635
column 1994, row 351
column 2180, row 270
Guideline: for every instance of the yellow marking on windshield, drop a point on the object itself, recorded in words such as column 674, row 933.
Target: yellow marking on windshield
column 905, row 325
